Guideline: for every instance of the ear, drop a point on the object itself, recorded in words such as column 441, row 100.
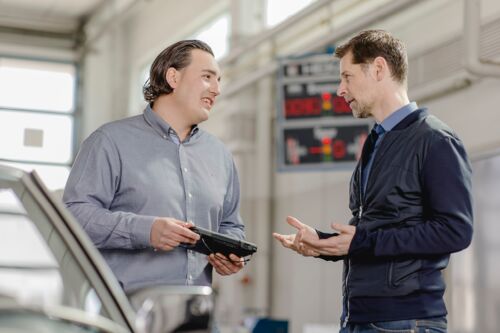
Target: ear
column 172, row 76
column 381, row 70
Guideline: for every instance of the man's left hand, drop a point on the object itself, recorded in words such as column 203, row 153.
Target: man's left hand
column 224, row 265
column 335, row 245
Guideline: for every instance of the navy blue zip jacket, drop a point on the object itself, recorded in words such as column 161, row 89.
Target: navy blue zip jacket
column 417, row 209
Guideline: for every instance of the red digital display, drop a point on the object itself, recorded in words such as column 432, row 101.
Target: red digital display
column 302, row 107
column 317, row 129
column 325, row 104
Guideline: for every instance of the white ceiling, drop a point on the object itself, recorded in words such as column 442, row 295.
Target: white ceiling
column 45, row 15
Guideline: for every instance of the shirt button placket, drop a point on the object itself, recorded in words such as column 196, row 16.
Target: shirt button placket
column 191, row 263
column 191, row 258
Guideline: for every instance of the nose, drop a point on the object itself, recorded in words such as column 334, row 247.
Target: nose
column 341, row 91
column 215, row 88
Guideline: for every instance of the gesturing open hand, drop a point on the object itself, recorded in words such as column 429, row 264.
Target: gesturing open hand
column 295, row 241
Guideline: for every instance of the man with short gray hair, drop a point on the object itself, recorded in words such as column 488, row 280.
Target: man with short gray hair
column 410, row 199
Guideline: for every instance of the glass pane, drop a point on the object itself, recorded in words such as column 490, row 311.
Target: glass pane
column 36, row 85
column 216, row 34
column 278, row 10
column 36, row 265
column 28, row 270
column 28, row 136
column 54, row 177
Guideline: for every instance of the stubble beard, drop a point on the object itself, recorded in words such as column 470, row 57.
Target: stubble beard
column 362, row 111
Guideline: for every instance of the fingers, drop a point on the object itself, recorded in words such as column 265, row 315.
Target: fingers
column 285, row 240
column 180, row 232
column 293, row 242
column 294, row 222
column 183, row 232
column 237, row 261
column 224, row 265
column 297, row 244
column 307, row 251
column 167, row 233
column 279, row 237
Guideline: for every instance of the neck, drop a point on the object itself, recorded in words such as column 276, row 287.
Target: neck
column 389, row 103
column 171, row 113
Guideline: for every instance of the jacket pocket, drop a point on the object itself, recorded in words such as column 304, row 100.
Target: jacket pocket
column 404, row 275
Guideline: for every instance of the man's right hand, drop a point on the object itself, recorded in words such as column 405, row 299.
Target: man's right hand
column 167, row 233
column 294, row 242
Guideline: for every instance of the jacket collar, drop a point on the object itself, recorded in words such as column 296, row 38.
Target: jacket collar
column 392, row 136
column 411, row 118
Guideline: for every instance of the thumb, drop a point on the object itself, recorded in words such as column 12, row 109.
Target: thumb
column 340, row 227
column 294, row 222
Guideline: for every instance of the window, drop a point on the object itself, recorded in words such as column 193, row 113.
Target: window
column 36, row 117
column 278, row 10
column 36, row 85
column 216, row 34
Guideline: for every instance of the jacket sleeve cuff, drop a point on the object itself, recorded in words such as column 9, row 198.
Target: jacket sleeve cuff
column 362, row 242
column 325, row 235
column 141, row 233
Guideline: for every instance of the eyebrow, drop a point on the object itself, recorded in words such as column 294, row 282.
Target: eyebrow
column 345, row 73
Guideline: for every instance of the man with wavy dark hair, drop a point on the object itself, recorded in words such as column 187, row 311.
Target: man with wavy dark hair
column 410, row 198
column 139, row 184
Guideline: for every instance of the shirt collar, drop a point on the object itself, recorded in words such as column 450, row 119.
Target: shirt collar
column 161, row 126
column 394, row 118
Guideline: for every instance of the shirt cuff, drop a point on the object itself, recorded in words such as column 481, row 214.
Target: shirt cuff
column 141, row 233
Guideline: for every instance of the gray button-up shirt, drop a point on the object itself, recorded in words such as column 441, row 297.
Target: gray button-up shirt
column 130, row 171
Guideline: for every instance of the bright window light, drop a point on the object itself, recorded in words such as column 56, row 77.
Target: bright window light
column 31, row 136
column 36, row 85
column 53, row 176
column 216, row 34
column 36, row 117
column 144, row 75
column 279, row 10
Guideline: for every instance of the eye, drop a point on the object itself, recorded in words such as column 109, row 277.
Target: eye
column 207, row 76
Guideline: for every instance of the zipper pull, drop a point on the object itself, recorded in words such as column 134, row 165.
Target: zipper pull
column 360, row 212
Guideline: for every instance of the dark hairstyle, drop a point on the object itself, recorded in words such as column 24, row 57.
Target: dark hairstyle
column 178, row 56
column 369, row 44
